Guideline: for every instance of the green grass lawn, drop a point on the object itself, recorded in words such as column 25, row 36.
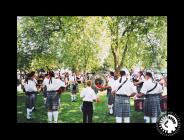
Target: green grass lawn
column 69, row 112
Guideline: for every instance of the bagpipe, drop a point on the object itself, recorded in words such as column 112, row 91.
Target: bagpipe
column 61, row 90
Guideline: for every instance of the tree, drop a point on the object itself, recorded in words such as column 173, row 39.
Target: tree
column 91, row 43
column 126, row 32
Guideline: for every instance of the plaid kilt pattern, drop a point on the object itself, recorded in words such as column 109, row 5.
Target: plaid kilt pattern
column 110, row 97
column 52, row 101
column 30, row 99
column 45, row 92
column 122, row 106
column 73, row 88
column 152, row 106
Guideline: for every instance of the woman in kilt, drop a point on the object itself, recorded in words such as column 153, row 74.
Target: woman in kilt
column 52, row 101
column 30, row 91
column 152, row 91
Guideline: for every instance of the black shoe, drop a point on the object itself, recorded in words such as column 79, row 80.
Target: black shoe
column 109, row 114
column 29, row 119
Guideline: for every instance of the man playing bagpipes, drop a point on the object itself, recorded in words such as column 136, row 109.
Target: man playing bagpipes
column 52, row 101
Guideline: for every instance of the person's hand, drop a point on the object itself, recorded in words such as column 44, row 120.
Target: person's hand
column 113, row 93
column 137, row 95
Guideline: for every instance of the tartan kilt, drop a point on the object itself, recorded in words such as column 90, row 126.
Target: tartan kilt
column 110, row 97
column 122, row 106
column 73, row 88
column 152, row 106
column 52, row 101
column 30, row 99
column 45, row 92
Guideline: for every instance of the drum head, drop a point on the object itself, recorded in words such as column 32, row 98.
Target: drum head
column 99, row 78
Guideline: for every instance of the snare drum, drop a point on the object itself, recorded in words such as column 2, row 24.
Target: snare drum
column 163, row 103
column 138, row 104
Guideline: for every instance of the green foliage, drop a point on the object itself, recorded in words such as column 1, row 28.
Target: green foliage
column 90, row 43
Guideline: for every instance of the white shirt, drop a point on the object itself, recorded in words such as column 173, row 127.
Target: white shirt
column 148, row 85
column 111, row 82
column 117, row 83
column 45, row 82
column 72, row 78
column 88, row 94
column 55, row 85
column 123, row 79
column 30, row 86
column 127, row 89
column 35, row 80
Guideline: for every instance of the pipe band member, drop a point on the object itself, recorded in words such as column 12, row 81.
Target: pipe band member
column 124, row 90
column 110, row 97
column 88, row 96
column 30, row 91
column 52, row 101
column 152, row 91
column 73, row 86
column 44, row 84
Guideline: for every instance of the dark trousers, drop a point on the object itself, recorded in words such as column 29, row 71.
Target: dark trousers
column 87, row 112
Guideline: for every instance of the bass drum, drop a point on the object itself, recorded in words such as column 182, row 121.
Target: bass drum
column 99, row 79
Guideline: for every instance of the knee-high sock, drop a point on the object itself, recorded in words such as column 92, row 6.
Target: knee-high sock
column 118, row 119
column 153, row 119
column 147, row 119
column 72, row 97
column 55, row 114
column 29, row 111
column 126, row 119
column 110, row 109
column 50, row 117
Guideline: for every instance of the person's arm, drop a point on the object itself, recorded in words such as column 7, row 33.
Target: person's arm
column 143, row 91
column 132, row 94
column 140, row 94
column 94, row 96
column 82, row 93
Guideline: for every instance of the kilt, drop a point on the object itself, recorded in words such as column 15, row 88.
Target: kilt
column 30, row 99
column 73, row 88
column 45, row 92
column 152, row 106
column 122, row 106
column 110, row 97
column 52, row 101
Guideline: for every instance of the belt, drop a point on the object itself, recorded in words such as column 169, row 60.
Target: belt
column 52, row 91
column 151, row 95
column 121, row 95
column 88, row 101
column 31, row 92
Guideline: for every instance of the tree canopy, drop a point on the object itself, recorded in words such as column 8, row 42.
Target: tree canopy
column 86, row 43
